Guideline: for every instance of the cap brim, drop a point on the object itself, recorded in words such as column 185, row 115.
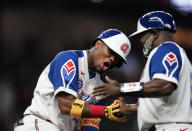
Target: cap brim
column 138, row 32
column 113, row 49
column 124, row 60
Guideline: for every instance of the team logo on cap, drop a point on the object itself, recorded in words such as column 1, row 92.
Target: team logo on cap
column 124, row 47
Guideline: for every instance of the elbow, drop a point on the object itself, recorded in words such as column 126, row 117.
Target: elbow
column 65, row 110
column 168, row 89
column 64, row 106
column 65, row 102
column 167, row 93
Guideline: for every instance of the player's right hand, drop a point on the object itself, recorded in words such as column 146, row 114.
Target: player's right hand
column 112, row 112
column 108, row 90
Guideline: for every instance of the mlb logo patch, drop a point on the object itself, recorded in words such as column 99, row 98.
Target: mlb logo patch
column 69, row 66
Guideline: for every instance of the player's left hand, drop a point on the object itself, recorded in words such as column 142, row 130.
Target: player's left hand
column 127, row 109
column 112, row 112
column 109, row 89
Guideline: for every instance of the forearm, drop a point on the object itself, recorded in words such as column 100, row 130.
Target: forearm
column 128, row 109
column 77, row 108
column 69, row 105
column 87, row 110
column 158, row 88
column 95, row 111
column 153, row 88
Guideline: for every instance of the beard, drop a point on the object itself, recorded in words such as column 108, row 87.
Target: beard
column 148, row 46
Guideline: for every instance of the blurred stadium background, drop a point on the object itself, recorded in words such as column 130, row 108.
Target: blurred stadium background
column 34, row 31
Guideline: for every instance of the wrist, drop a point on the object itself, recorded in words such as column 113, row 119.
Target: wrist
column 132, row 89
column 97, row 111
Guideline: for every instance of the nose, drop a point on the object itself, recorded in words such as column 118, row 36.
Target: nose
column 112, row 58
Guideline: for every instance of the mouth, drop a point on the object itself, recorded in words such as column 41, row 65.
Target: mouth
column 105, row 66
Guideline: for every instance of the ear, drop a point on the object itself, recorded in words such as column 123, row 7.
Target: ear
column 98, row 44
column 155, row 33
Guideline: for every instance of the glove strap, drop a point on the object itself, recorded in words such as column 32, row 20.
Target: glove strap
column 135, row 89
column 97, row 111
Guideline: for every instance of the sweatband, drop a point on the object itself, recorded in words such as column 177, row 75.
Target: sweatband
column 97, row 111
column 77, row 108
column 135, row 89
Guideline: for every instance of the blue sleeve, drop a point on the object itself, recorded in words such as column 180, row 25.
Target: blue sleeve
column 166, row 63
column 63, row 73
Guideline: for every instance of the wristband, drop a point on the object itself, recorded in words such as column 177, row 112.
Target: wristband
column 77, row 108
column 97, row 111
column 135, row 89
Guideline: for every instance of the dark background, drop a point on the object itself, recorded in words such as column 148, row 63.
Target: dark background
column 33, row 32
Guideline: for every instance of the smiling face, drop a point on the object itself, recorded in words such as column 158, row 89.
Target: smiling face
column 104, row 58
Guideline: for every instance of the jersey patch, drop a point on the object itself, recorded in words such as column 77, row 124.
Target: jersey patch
column 89, row 123
column 166, row 60
column 170, row 63
column 69, row 66
column 86, row 97
column 80, row 84
column 68, row 72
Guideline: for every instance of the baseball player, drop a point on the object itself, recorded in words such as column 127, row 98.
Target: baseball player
column 62, row 95
column 164, row 91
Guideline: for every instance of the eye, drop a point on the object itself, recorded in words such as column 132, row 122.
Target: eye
column 111, row 53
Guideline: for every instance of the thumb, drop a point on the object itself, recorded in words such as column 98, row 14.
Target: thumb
column 121, row 101
column 109, row 80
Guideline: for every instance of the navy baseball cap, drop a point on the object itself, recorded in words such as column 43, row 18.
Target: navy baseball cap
column 155, row 20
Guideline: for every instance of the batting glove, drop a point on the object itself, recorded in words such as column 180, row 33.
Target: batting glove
column 111, row 112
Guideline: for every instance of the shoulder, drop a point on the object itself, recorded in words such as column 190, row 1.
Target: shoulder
column 169, row 46
column 70, row 54
column 166, row 52
column 166, row 48
column 73, row 55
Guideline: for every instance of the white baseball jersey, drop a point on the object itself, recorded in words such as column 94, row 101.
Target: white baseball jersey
column 68, row 72
column 168, row 62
